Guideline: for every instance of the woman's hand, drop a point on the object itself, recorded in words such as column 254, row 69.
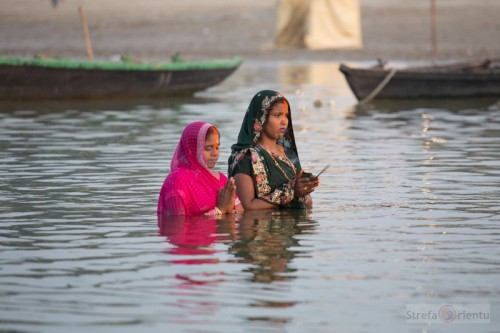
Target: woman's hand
column 305, row 184
column 226, row 197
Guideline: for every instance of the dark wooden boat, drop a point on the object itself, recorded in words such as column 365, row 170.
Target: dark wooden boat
column 61, row 78
column 471, row 79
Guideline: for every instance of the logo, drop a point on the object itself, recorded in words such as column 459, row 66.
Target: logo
column 476, row 313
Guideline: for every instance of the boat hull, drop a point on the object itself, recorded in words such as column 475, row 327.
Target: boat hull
column 33, row 81
column 422, row 84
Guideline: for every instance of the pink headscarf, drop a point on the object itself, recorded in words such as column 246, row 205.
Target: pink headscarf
column 191, row 188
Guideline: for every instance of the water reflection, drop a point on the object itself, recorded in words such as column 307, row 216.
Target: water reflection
column 318, row 84
column 264, row 239
column 262, row 245
column 213, row 259
column 267, row 240
column 190, row 236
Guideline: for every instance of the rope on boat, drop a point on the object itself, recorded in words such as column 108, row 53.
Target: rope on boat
column 379, row 88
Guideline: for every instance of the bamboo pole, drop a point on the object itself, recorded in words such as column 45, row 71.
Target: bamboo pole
column 433, row 27
column 85, row 29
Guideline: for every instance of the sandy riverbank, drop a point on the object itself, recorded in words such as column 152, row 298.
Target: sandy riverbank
column 156, row 29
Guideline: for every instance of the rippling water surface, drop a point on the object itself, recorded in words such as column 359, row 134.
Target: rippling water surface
column 407, row 214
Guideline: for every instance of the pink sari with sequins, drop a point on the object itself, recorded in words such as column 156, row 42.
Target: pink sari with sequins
column 190, row 188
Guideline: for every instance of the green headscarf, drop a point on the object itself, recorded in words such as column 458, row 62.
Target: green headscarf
column 253, row 123
column 250, row 132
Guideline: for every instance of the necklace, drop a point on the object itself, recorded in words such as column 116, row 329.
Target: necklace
column 285, row 159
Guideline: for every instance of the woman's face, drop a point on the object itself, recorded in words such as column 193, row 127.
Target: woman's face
column 277, row 121
column 211, row 150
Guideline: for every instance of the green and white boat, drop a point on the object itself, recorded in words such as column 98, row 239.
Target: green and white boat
column 49, row 78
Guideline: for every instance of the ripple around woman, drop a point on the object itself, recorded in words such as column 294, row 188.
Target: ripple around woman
column 264, row 162
column 191, row 187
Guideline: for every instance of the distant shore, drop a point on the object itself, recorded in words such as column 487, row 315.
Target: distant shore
column 157, row 29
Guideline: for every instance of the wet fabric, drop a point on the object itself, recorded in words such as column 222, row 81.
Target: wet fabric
column 190, row 188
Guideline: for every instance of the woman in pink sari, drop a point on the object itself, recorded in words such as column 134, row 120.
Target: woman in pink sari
column 191, row 187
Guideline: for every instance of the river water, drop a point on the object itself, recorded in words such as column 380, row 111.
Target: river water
column 406, row 221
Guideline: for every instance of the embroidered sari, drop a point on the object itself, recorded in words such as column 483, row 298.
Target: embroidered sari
column 273, row 176
column 190, row 188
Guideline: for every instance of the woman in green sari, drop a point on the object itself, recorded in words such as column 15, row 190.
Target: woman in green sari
column 264, row 162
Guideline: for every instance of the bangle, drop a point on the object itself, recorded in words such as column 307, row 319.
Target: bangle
column 216, row 211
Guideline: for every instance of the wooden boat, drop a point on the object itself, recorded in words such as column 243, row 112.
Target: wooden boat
column 49, row 78
column 472, row 79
